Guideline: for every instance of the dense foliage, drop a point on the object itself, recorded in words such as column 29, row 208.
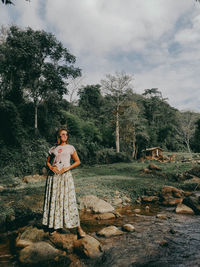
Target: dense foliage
column 34, row 73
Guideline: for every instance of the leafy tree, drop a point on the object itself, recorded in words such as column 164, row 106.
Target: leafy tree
column 161, row 118
column 196, row 137
column 39, row 62
column 90, row 100
column 117, row 87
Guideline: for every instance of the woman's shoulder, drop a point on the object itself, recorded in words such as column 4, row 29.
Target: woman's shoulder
column 71, row 148
column 52, row 149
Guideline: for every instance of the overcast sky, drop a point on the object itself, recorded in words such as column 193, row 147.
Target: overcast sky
column 158, row 41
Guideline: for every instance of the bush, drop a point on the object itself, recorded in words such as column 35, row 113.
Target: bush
column 28, row 159
column 109, row 155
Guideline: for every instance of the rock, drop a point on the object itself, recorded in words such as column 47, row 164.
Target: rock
column 33, row 234
column 64, row 241
column 105, row 216
column 171, row 196
column 20, row 243
column 117, row 192
column 128, row 227
column 33, row 178
column 126, row 199
column 193, row 201
column 150, row 199
column 88, row 247
column 110, row 231
column 1, row 188
column 38, row 252
column 154, row 167
column 117, row 214
column 146, row 170
column 137, row 210
column 117, row 201
column 161, row 216
column 147, row 208
column 183, row 209
column 95, row 204
column 138, row 200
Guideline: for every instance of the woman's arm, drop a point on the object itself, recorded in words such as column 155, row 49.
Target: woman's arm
column 75, row 164
column 52, row 168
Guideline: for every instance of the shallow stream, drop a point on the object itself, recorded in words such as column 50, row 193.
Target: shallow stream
column 173, row 241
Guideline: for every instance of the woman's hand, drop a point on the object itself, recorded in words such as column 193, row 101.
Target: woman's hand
column 54, row 169
column 64, row 170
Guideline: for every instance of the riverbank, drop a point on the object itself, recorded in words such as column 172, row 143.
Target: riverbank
column 123, row 186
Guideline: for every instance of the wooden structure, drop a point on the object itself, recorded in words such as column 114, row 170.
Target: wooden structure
column 153, row 153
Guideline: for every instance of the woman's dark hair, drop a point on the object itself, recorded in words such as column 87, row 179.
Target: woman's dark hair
column 58, row 135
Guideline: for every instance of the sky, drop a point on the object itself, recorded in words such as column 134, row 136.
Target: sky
column 156, row 41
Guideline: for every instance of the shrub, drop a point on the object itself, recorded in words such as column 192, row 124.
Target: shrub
column 109, row 155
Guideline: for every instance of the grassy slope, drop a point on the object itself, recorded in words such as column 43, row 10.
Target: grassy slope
column 128, row 178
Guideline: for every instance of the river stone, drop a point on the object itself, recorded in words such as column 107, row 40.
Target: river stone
column 38, row 252
column 1, row 187
column 117, row 201
column 193, row 202
column 33, row 234
column 33, row 178
column 128, row 227
column 137, row 210
column 154, row 167
column 96, row 204
column 63, row 241
column 20, row 243
column 105, row 216
column 150, row 199
column 161, row 216
column 110, row 231
column 171, row 196
column 183, row 209
column 126, row 199
column 88, row 247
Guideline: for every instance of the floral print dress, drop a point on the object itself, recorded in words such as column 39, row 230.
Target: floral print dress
column 60, row 207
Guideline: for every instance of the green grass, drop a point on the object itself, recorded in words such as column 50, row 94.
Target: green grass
column 128, row 178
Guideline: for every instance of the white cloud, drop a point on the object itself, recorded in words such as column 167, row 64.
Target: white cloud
column 157, row 40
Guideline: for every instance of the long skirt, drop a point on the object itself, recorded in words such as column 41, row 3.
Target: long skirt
column 60, row 207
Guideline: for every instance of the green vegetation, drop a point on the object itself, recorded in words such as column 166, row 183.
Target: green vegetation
column 127, row 178
column 109, row 123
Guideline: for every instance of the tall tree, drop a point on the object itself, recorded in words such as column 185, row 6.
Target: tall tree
column 118, row 87
column 186, row 127
column 90, row 100
column 40, row 62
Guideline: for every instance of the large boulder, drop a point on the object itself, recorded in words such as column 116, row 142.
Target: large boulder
column 31, row 234
column 63, row 241
column 154, row 167
column 193, row 201
column 171, row 196
column 39, row 252
column 183, row 209
column 95, row 204
column 150, row 199
column 88, row 247
column 109, row 231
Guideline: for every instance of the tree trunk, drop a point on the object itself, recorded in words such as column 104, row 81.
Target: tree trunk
column 36, row 118
column 188, row 146
column 133, row 148
column 117, row 131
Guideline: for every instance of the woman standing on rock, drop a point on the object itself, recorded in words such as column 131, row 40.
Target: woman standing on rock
column 60, row 207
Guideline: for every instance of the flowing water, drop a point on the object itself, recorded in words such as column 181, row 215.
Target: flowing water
column 171, row 241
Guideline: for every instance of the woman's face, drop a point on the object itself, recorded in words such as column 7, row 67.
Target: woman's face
column 63, row 136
